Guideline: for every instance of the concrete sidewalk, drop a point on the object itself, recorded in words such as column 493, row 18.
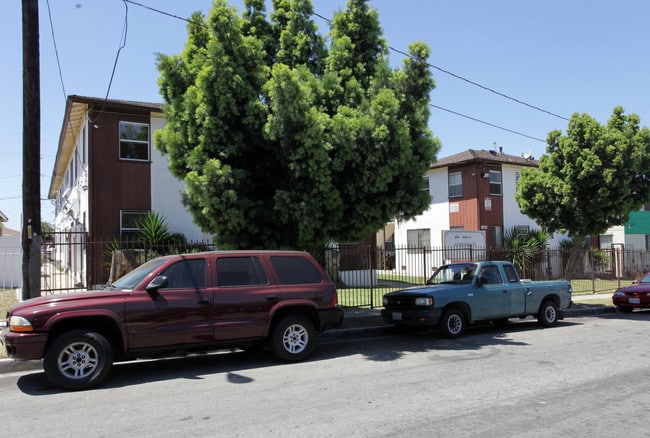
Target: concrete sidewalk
column 357, row 321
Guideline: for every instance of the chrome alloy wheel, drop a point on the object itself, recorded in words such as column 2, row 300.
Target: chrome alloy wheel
column 295, row 338
column 78, row 360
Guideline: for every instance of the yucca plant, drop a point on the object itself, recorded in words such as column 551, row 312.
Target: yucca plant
column 153, row 229
column 525, row 248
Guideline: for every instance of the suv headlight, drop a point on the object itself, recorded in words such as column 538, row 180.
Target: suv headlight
column 424, row 301
column 20, row 324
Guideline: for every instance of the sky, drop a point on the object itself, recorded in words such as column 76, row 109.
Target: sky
column 507, row 72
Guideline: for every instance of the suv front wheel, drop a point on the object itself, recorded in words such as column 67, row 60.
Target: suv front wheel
column 292, row 338
column 78, row 360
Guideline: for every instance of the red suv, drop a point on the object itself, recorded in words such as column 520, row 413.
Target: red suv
column 184, row 302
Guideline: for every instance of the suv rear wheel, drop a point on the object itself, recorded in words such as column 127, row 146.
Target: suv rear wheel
column 78, row 360
column 292, row 338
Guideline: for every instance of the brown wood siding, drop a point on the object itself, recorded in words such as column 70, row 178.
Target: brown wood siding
column 113, row 185
column 472, row 211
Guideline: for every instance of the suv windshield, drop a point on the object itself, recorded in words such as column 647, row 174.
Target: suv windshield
column 458, row 273
column 133, row 278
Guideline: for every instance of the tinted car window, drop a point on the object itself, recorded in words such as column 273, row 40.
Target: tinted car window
column 186, row 274
column 240, row 271
column 295, row 270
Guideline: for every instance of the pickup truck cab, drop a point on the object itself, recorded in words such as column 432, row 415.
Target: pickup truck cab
column 203, row 301
column 461, row 293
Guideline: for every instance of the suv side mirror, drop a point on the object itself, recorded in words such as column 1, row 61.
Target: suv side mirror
column 158, row 282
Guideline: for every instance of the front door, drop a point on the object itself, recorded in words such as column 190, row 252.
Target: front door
column 180, row 314
column 493, row 298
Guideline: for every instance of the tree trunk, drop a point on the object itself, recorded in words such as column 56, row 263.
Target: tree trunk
column 574, row 258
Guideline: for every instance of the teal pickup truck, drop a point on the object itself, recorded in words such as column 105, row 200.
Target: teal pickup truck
column 462, row 293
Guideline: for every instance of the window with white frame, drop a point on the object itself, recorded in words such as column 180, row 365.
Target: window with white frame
column 418, row 238
column 455, row 185
column 134, row 141
column 130, row 220
column 495, row 182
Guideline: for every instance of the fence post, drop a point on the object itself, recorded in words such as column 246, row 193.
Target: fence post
column 372, row 295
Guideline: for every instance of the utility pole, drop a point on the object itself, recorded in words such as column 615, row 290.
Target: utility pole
column 31, row 231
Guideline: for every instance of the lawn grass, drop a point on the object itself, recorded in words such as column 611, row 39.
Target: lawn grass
column 8, row 298
column 366, row 297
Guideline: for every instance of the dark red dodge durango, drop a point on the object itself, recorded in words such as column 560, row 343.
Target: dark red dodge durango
column 200, row 301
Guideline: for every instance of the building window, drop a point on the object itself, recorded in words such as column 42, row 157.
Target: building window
column 418, row 239
column 425, row 184
column 647, row 242
column 455, row 185
column 495, row 182
column 496, row 237
column 134, row 141
column 129, row 222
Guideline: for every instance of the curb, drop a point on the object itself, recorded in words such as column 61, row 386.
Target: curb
column 368, row 321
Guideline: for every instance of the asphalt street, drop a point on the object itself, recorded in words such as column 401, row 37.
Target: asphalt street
column 360, row 321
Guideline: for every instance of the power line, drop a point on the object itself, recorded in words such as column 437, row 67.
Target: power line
column 125, row 31
column 328, row 20
column 159, row 11
column 56, row 50
column 498, row 93
column 486, row 123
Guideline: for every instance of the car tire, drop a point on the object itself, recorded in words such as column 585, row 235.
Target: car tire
column 452, row 323
column 78, row 360
column 293, row 338
column 548, row 314
column 625, row 309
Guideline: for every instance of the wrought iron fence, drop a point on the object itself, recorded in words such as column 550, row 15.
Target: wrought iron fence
column 362, row 273
column 70, row 262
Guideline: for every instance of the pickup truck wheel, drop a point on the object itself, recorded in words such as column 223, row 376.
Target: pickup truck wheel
column 292, row 338
column 452, row 323
column 78, row 360
column 548, row 314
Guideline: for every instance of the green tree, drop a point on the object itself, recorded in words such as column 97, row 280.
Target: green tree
column 283, row 142
column 590, row 179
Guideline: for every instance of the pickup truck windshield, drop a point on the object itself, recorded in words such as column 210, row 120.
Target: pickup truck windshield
column 457, row 273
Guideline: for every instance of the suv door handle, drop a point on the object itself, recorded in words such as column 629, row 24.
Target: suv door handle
column 272, row 297
column 205, row 301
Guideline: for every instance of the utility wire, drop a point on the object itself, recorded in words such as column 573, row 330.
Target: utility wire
column 159, row 11
column 486, row 123
column 125, row 31
column 56, row 50
column 329, row 21
column 521, row 102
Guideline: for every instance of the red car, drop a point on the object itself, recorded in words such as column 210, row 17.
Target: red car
column 635, row 296
column 203, row 301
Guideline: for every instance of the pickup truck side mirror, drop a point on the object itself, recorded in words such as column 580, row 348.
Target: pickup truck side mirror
column 157, row 283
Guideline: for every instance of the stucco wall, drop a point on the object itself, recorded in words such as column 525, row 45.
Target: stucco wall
column 166, row 193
